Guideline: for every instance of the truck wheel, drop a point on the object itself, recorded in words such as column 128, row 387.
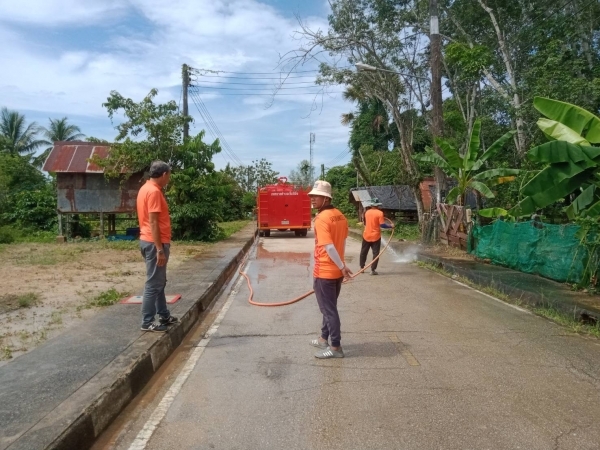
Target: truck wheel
column 261, row 234
column 298, row 232
column 267, row 233
column 304, row 233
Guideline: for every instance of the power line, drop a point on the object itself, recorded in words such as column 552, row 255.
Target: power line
column 554, row 11
column 252, row 89
column 540, row 14
column 218, row 133
column 252, row 73
column 339, row 157
column 256, row 78
column 212, row 127
column 277, row 94
column 208, row 125
column 255, row 84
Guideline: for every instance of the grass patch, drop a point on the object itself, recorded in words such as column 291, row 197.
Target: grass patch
column 549, row 312
column 116, row 245
column 56, row 318
column 230, row 228
column 42, row 237
column 9, row 235
column 107, row 298
column 9, row 302
column 6, row 353
column 27, row 300
column 406, row 231
column 568, row 321
column 44, row 254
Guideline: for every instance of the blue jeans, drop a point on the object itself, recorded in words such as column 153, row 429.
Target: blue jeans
column 154, row 300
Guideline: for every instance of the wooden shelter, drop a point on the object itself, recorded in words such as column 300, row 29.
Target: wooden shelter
column 396, row 201
column 82, row 187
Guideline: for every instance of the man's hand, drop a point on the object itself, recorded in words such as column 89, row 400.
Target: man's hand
column 161, row 259
column 346, row 272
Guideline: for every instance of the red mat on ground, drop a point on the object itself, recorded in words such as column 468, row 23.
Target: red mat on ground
column 137, row 299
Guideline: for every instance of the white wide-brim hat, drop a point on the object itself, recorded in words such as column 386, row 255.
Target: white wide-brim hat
column 322, row 188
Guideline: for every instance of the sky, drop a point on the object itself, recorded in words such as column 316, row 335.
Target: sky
column 63, row 58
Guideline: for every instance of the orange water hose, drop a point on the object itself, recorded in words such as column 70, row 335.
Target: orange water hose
column 303, row 296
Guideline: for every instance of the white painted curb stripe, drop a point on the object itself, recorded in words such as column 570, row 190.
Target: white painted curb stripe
column 159, row 413
column 518, row 308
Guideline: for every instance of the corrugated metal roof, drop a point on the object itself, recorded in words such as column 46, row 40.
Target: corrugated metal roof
column 73, row 156
column 398, row 198
column 362, row 196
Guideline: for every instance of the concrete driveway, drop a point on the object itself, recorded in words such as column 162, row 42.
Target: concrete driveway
column 430, row 364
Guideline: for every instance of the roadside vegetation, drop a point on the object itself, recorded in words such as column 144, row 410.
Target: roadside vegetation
column 549, row 311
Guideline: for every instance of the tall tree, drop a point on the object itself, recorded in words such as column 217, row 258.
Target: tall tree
column 378, row 33
column 17, row 137
column 302, row 175
column 197, row 194
column 258, row 174
column 59, row 130
column 514, row 50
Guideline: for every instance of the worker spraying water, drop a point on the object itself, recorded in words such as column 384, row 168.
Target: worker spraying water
column 321, row 189
column 330, row 270
column 374, row 220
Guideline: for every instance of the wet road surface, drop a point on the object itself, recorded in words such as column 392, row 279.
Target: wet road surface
column 429, row 364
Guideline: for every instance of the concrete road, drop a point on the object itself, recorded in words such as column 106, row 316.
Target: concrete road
column 430, row 364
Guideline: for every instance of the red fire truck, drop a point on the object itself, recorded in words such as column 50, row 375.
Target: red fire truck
column 283, row 207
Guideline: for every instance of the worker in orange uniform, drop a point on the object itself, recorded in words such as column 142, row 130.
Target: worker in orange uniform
column 331, row 231
column 374, row 221
column 155, row 245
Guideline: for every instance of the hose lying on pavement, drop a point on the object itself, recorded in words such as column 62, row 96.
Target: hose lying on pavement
column 303, row 296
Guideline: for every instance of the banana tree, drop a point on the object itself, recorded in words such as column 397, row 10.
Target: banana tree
column 572, row 162
column 466, row 168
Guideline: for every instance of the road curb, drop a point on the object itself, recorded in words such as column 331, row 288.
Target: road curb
column 88, row 412
column 533, row 299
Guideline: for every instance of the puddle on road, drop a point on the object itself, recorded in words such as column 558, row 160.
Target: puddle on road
column 303, row 259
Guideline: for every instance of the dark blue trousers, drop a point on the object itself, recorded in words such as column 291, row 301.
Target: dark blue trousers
column 327, row 293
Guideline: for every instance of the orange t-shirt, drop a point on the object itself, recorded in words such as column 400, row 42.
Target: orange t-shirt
column 151, row 199
column 373, row 218
column 331, row 227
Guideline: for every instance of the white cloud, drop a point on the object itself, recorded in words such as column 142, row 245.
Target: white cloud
column 58, row 12
column 240, row 35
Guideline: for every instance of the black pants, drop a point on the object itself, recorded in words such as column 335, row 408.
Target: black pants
column 327, row 293
column 364, row 251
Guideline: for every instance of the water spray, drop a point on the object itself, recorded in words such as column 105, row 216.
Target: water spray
column 303, row 296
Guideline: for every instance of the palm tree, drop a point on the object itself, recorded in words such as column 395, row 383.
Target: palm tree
column 17, row 139
column 59, row 130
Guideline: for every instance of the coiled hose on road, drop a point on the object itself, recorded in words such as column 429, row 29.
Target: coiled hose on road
column 303, row 296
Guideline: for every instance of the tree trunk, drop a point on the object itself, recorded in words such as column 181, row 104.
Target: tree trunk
column 406, row 152
column 418, row 201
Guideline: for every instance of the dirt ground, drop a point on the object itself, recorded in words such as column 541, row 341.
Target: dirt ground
column 47, row 288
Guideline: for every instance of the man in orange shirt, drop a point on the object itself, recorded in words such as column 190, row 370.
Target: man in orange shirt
column 331, row 231
column 374, row 219
column 155, row 243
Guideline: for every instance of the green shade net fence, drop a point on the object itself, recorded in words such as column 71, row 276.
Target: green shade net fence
column 551, row 251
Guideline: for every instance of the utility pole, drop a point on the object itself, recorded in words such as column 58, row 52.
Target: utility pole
column 185, row 75
column 322, row 171
column 437, row 123
column 312, row 141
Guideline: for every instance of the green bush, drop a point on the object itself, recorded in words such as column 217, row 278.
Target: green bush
column 7, row 235
column 107, row 298
column 32, row 209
